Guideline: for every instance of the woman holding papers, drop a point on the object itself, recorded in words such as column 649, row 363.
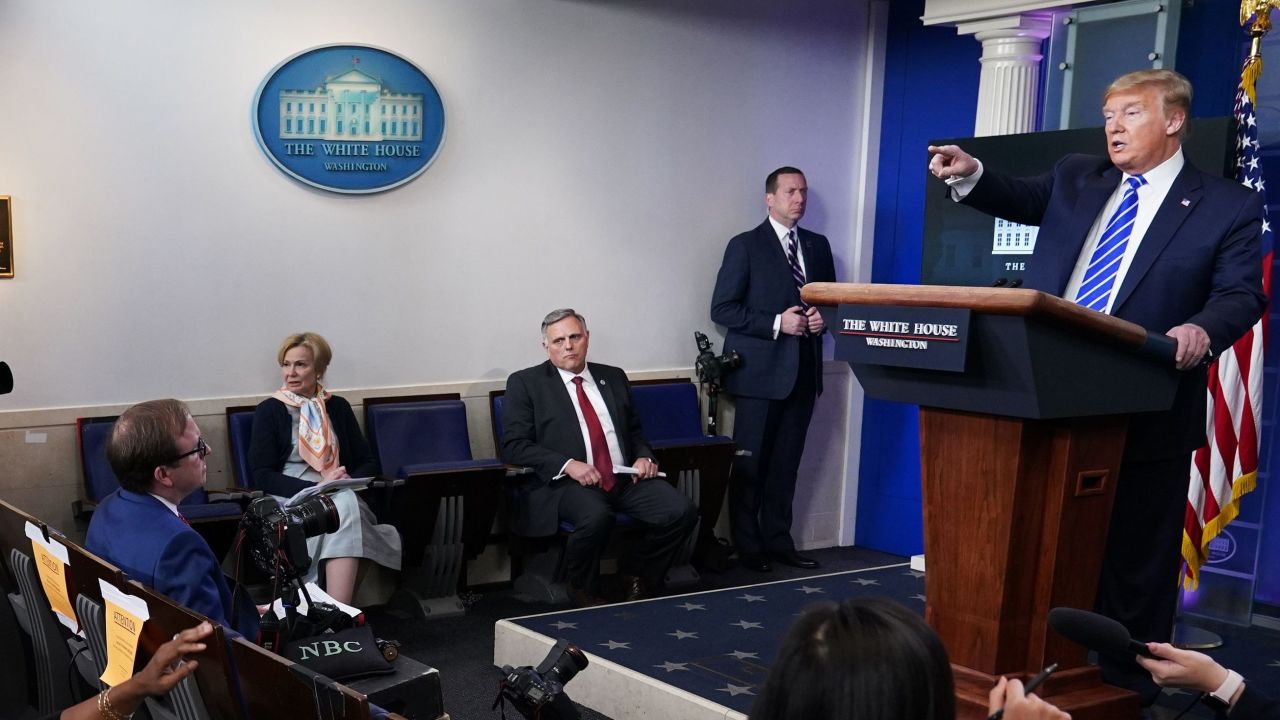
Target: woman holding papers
column 304, row 436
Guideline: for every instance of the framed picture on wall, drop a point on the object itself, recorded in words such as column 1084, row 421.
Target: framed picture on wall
column 6, row 237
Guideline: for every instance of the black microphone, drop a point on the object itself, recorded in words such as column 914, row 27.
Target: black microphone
column 1000, row 282
column 6, row 379
column 1016, row 283
column 1094, row 631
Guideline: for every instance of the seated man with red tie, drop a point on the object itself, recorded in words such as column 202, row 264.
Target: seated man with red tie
column 157, row 454
column 573, row 423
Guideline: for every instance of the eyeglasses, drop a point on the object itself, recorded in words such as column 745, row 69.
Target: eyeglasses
column 201, row 448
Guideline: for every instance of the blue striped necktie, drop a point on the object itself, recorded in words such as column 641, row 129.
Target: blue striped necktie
column 1100, row 276
column 797, row 273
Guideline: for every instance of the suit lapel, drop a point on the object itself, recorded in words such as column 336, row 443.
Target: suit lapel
column 1184, row 195
column 562, row 406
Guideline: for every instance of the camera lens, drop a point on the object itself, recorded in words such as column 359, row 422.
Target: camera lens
column 568, row 664
column 317, row 516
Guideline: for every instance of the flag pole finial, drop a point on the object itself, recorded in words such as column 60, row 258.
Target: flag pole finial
column 1259, row 12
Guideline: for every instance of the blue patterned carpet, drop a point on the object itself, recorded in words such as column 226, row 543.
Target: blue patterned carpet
column 717, row 644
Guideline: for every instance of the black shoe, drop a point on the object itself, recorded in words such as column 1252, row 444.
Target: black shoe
column 795, row 559
column 758, row 563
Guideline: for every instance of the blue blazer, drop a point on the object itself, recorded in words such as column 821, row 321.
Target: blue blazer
column 142, row 537
column 540, row 430
column 753, row 286
column 1200, row 262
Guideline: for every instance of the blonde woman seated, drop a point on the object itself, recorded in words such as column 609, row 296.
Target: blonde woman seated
column 302, row 435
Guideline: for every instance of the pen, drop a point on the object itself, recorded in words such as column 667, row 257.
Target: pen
column 1032, row 684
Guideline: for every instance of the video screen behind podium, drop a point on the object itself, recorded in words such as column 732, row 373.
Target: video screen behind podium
column 965, row 247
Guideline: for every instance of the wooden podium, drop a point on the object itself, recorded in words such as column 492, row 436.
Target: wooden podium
column 1019, row 456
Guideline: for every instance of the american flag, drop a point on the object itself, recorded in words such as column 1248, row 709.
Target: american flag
column 1226, row 468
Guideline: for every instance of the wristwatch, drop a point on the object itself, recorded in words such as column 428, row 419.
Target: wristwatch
column 1220, row 699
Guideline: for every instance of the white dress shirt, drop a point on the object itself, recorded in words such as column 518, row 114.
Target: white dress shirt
column 782, row 231
column 602, row 412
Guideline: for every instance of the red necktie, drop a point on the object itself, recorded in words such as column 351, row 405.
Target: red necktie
column 595, row 432
column 184, row 519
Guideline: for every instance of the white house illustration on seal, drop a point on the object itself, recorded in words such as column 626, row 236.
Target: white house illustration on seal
column 352, row 105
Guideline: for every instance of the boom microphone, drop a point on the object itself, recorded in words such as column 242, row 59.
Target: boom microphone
column 6, row 379
column 1094, row 631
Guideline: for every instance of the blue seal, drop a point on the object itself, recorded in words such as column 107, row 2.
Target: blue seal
column 349, row 118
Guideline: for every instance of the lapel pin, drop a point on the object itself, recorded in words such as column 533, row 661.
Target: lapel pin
column 602, row 382
column 1186, row 202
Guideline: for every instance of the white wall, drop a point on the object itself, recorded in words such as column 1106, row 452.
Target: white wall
column 598, row 155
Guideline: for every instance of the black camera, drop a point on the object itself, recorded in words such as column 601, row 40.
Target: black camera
column 712, row 368
column 276, row 536
column 539, row 692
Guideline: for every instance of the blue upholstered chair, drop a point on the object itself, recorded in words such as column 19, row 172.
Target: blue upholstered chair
column 239, row 433
column 215, row 514
column 671, row 416
column 444, row 501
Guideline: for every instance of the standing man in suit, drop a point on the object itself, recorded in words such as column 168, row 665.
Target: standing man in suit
column 158, row 455
column 573, row 423
column 779, row 337
column 1145, row 236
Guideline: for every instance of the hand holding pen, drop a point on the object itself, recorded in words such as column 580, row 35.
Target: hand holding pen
column 1011, row 701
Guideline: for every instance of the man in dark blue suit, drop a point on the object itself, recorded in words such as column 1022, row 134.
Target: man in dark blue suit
column 573, row 422
column 1144, row 236
column 757, row 299
column 158, row 455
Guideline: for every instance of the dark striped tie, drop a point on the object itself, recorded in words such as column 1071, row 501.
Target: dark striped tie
column 1100, row 276
column 797, row 273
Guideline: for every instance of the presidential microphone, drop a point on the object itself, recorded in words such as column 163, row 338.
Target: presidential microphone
column 1016, row 283
column 1000, row 282
column 1096, row 632
column 6, row 379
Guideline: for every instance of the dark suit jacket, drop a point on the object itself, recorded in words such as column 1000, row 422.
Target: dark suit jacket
column 540, row 430
column 272, row 441
column 150, row 544
column 753, row 286
column 1200, row 262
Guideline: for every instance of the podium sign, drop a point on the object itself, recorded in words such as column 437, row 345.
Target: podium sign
column 915, row 337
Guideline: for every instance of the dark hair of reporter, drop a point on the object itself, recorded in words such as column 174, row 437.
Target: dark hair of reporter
column 864, row 659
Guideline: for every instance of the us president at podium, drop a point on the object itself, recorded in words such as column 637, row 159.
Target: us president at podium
column 1145, row 236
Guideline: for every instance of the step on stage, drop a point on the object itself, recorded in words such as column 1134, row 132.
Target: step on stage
column 697, row 656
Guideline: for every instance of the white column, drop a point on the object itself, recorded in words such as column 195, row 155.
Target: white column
column 1009, row 85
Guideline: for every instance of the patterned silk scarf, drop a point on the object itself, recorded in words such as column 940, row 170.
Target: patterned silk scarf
column 317, row 444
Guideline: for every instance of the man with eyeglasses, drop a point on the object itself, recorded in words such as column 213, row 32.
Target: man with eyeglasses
column 158, row 457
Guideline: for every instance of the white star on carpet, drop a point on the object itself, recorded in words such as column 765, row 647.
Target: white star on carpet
column 692, row 606
column 562, row 625
column 809, row 590
column 914, row 573
column 1274, row 663
column 681, row 635
column 918, row 596
column 748, row 625
column 865, row 581
column 736, row 690
column 744, row 655
column 613, row 645
column 752, row 598
column 669, row 666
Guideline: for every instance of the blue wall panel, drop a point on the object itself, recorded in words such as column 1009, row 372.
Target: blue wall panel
column 930, row 91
